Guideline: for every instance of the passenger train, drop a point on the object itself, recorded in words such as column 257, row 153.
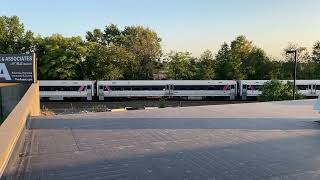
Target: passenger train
column 184, row 89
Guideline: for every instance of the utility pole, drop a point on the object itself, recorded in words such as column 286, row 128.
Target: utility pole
column 294, row 72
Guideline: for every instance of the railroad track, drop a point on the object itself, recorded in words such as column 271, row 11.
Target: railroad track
column 76, row 107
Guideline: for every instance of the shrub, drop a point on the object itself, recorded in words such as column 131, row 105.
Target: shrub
column 275, row 90
column 162, row 103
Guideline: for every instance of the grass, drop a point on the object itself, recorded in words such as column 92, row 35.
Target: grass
column 46, row 112
column 162, row 103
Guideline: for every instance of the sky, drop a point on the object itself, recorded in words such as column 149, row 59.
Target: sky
column 183, row 25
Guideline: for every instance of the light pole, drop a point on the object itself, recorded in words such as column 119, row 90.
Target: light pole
column 294, row 72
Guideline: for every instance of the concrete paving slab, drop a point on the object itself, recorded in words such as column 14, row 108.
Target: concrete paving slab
column 278, row 140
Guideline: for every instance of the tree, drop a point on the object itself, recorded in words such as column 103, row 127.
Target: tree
column 13, row 37
column 234, row 61
column 61, row 58
column 257, row 65
column 302, row 53
column 315, row 63
column 145, row 45
column 207, row 64
column 106, row 63
column 112, row 34
column 179, row 66
column 142, row 43
column 240, row 50
column 303, row 62
column 96, row 36
column 316, row 52
column 224, row 68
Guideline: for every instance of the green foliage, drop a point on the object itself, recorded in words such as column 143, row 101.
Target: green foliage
column 242, row 60
column 180, row 66
column 106, row 63
column 316, row 60
column 98, row 108
column 275, row 90
column 225, row 65
column 162, row 103
column 240, row 50
column 61, row 58
column 141, row 43
column 145, row 45
column 256, row 65
column 13, row 37
column 206, row 66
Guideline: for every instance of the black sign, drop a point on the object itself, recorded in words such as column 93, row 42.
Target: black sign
column 17, row 67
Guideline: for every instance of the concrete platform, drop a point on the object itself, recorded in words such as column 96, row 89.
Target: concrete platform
column 278, row 140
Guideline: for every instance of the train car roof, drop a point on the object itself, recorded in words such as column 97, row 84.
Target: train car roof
column 165, row 82
column 253, row 81
column 63, row 82
column 283, row 81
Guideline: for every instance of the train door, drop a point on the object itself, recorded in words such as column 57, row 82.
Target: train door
column 232, row 92
column 169, row 88
column 244, row 92
column 89, row 92
column 313, row 89
column 101, row 92
column 172, row 89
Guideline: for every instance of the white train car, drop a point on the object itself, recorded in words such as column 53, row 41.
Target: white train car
column 59, row 90
column 309, row 88
column 251, row 88
column 192, row 89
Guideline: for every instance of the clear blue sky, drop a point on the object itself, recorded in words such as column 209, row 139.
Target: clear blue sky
column 184, row 25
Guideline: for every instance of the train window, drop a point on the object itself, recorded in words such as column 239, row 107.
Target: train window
column 107, row 88
column 113, row 88
column 117, row 88
column 232, row 86
column 302, row 87
column 101, row 87
column 157, row 88
column 253, row 87
column 226, row 87
column 89, row 87
column 244, row 86
column 317, row 87
column 135, row 89
column 250, row 87
column 179, row 88
column 216, row 87
column 200, row 87
column 60, row 88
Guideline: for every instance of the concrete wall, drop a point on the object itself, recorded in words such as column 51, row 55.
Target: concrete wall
column 10, row 95
column 15, row 123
